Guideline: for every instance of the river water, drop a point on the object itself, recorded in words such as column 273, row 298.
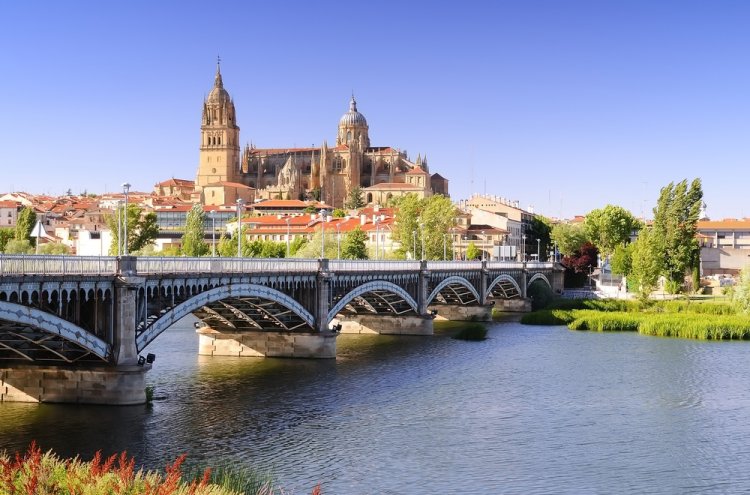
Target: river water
column 529, row 410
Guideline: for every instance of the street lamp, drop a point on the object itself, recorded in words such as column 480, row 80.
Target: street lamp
column 523, row 248
column 213, row 233
column 538, row 250
column 414, row 247
column 484, row 244
column 287, row 220
column 126, row 190
column 338, row 240
column 323, row 215
column 119, row 227
column 421, row 234
column 239, row 227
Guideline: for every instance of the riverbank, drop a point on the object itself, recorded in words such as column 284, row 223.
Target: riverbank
column 38, row 472
column 685, row 319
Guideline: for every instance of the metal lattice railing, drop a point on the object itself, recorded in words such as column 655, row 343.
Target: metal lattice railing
column 371, row 266
column 57, row 265
column 154, row 265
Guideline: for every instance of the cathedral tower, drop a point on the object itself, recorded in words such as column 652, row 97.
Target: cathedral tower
column 220, row 137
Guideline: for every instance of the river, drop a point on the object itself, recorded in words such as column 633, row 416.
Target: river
column 529, row 410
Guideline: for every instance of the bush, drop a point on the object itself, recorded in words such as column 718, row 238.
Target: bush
column 541, row 295
column 471, row 331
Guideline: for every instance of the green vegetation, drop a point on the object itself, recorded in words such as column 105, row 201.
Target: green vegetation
column 6, row 235
column 741, row 292
column 471, row 331
column 54, row 248
column 354, row 246
column 609, row 227
column 37, row 472
column 25, row 224
column 14, row 246
column 193, row 243
column 423, row 222
column 686, row 319
column 472, row 251
column 142, row 228
column 355, row 199
column 569, row 237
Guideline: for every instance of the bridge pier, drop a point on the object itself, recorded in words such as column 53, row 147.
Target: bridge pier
column 321, row 345
column 386, row 324
column 121, row 385
column 513, row 305
column 463, row 313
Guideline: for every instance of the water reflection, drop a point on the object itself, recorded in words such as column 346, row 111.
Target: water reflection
column 530, row 410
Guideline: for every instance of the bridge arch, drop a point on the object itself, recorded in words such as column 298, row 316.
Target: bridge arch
column 539, row 276
column 217, row 294
column 501, row 279
column 453, row 280
column 377, row 285
column 53, row 325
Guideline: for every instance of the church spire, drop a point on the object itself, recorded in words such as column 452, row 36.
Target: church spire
column 218, row 83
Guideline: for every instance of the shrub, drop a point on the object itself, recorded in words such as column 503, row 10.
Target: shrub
column 472, row 331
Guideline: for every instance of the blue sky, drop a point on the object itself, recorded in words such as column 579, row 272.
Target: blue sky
column 563, row 105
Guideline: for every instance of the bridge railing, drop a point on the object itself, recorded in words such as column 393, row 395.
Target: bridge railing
column 454, row 265
column 11, row 264
column 162, row 265
column 371, row 266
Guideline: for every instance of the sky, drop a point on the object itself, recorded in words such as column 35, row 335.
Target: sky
column 565, row 106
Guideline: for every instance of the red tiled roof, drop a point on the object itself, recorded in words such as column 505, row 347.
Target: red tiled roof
column 416, row 171
column 8, row 204
column 725, row 224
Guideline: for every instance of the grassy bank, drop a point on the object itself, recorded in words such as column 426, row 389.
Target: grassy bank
column 37, row 472
column 705, row 321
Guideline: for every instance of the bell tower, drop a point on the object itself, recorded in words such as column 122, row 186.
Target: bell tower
column 220, row 137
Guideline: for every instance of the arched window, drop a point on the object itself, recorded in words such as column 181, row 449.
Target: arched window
column 349, row 137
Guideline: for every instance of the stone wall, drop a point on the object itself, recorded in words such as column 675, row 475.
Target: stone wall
column 267, row 344
column 463, row 313
column 111, row 386
column 386, row 325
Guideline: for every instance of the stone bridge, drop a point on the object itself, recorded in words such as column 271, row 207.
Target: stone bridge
column 72, row 328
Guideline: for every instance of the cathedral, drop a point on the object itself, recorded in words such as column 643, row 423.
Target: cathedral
column 326, row 173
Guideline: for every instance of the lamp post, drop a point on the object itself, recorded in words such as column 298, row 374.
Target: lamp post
column 421, row 234
column 213, row 233
column 239, row 227
column 414, row 247
column 119, row 228
column 287, row 220
column 377, row 238
column 445, row 246
column 523, row 248
column 126, row 190
column 323, row 215
column 338, row 240
column 538, row 250
column 484, row 244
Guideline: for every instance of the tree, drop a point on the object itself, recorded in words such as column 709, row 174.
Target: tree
column 472, row 251
column 54, row 248
column 142, row 229
column 579, row 264
column 5, row 236
column 675, row 225
column 354, row 199
column 355, row 245
column 647, row 262
column 193, row 243
column 264, row 249
column 227, row 246
column 311, row 249
column 426, row 220
column 25, row 224
column 621, row 260
column 741, row 295
column 609, row 227
column 541, row 227
column 14, row 246
column 569, row 237
column 297, row 243
column 338, row 213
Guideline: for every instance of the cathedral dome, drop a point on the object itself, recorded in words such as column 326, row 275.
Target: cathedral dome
column 353, row 117
column 218, row 94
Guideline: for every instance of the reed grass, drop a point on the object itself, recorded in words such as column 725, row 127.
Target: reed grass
column 548, row 317
column 605, row 321
column 34, row 472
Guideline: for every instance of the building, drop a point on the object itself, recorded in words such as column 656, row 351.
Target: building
column 8, row 214
column 725, row 245
column 325, row 173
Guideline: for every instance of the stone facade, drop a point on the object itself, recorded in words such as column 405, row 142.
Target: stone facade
column 327, row 173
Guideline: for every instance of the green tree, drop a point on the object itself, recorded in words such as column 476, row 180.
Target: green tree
column 472, row 251
column 142, row 228
column 354, row 246
column 355, row 199
column 14, row 246
column 569, row 237
column 227, row 246
column 54, row 248
column 312, row 248
column 264, row 249
column 540, row 228
column 609, row 227
column 741, row 294
column 193, row 243
column 428, row 219
column 621, row 260
column 647, row 260
column 297, row 243
column 25, row 224
column 675, row 225
column 338, row 213
column 5, row 236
